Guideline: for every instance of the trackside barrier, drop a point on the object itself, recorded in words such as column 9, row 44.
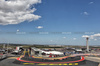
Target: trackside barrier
column 85, row 54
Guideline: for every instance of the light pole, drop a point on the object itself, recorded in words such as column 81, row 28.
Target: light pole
column 3, row 46
column 7, row 47
column 87, row 46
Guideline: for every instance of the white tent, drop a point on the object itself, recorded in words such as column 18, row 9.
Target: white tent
column 53, row 52
column 48, row 52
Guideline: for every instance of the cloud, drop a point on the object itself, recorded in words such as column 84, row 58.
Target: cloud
column 85, row 36
column 92, row 36
column 64, row 37
column 91, row 2
column 74, row 38
column 85, row 13
column 39, row 27
column 95, row 39
column 17, row 11
column 96, row 35
column 51, row 40
column 17, row 30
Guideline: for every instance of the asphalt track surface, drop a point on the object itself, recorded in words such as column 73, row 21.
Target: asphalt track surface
column 13, row 62
column 27, row 58
column 10, row 62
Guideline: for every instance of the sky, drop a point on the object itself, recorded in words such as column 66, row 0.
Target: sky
column 59, row 22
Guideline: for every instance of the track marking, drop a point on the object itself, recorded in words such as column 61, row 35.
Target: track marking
column 65, row 64
column 82, row 58
column 28, row 63
column 70, row 64
column 76, row 64
column 12, row 57
column 60, row 64
column 42, row 64
column 52, row 64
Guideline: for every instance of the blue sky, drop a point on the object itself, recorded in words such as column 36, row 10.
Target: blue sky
column 75, row 17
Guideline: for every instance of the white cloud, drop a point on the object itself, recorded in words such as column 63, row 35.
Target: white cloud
column 39, row 27
column 64, row 37
column 91, row 2
column 51, row 40
column 17, row 11
column 74, row 38
column 96, row 35
column 85, row 36
column 95, row 39
column 17, row 30
column 85, row 13
column 92, row 36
